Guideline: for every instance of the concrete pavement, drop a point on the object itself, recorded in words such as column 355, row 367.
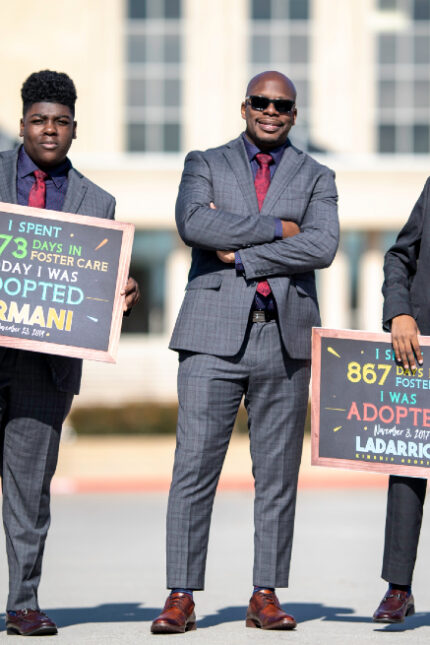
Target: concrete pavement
column 104, row 577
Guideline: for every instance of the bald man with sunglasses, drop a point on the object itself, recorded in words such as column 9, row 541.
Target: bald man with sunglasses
column 260, row 216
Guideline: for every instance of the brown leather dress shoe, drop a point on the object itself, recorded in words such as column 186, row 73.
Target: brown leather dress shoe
column 265, row 611
column 29, row 622
column 177, row 616
column 395, row 605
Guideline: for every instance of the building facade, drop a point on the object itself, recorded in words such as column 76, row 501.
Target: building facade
column 156, row 78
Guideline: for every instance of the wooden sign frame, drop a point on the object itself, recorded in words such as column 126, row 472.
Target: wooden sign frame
column 365, row 462
column 120, row 279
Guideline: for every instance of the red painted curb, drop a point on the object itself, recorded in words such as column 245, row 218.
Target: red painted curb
column 337, row 480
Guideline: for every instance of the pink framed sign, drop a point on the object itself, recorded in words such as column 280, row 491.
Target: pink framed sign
column 61, row 276
column 368, row 413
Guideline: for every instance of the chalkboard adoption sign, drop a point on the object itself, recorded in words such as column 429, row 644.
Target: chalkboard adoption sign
column 368, row 413
column 61, row 276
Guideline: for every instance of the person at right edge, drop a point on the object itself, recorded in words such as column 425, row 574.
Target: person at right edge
column 406, row 314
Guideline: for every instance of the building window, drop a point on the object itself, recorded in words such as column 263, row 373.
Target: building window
column 280, row 38
column 403, row 87
column 154, row 69
column 151, row 250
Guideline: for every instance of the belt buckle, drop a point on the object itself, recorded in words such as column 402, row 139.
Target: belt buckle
column 258, row 316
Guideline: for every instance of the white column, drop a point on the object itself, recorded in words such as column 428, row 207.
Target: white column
column 334, row 294
column 215, row 67
column 370, row 278
column 177, row 268
column 343, row 59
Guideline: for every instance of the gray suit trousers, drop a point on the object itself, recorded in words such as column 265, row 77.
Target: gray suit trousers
column 210, row 390
column 32, row 411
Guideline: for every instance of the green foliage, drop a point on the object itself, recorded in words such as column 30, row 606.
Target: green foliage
column 139, row 418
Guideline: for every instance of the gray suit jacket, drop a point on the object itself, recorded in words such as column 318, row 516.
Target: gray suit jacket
column 82, row 197
column 215, row 311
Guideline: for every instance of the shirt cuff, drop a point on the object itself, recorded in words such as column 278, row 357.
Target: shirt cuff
column 278, row 229
column 238, row 262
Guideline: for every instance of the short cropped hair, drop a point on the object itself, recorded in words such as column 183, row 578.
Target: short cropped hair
column 50, row 87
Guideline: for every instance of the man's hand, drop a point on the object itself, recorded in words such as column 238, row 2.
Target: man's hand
column 131, row 293
column 404, row 336
column 289, row 229
column 226, row 256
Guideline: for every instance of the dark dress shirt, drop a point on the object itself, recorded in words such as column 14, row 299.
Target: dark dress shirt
column 261, row 302
column 56, row 182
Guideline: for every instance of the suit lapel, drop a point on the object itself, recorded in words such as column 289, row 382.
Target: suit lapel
column 76, row 190
column 291, row 161
column 8, row 163
column 237, row 158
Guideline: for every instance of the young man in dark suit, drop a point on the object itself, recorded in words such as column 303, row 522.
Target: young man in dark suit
column 36, row 390
column 406, row 314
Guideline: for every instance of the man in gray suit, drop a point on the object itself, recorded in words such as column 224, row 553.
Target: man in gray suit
column 36, row 390
column 260, row 216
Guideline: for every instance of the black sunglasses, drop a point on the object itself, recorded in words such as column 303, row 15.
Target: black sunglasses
column 260, row 103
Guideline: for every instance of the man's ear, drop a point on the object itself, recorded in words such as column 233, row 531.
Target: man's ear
column 75, row 126
column 21, row 127
column 243, row 110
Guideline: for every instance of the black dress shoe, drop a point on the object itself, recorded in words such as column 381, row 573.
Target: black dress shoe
column 394, row 607
column 29, row 622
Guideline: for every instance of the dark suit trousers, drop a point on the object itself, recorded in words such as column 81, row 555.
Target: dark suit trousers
column 32, row 412
column 405, row 502
column 210, row 389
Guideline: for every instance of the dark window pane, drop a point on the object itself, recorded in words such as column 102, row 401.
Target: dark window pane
column 172, row 92
column 137, row 9
column 422, row 49
column 387, row 138
column 403, row 139
column 154, row 92
column 171, row 137
column 136, row 137
column 151, row 250
column 421, row 139
column 154, row 137
column 422, row 94
column 260, row 49
column 299, row 9
column 261, row 9
column 302, row 93
column 299, row 49
column 172, row 49
column 154, row 49
column 172, row 8
column 136, row 92
column 421, row 10
column 387, row 94
column 387, row 49
column 136, row 49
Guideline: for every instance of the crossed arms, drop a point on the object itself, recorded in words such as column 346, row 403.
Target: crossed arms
column 253, row 235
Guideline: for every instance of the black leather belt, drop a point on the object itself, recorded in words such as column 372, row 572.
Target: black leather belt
column 262, row 315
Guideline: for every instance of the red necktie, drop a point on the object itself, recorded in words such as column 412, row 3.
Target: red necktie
column 262, row 183
column 37, row 194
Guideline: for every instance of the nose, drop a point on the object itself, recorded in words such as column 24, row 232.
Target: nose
column 271, row 109
column 50, row 127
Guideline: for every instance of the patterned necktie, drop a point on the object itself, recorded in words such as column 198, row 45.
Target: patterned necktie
column 262, row 183
column 37, row 194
